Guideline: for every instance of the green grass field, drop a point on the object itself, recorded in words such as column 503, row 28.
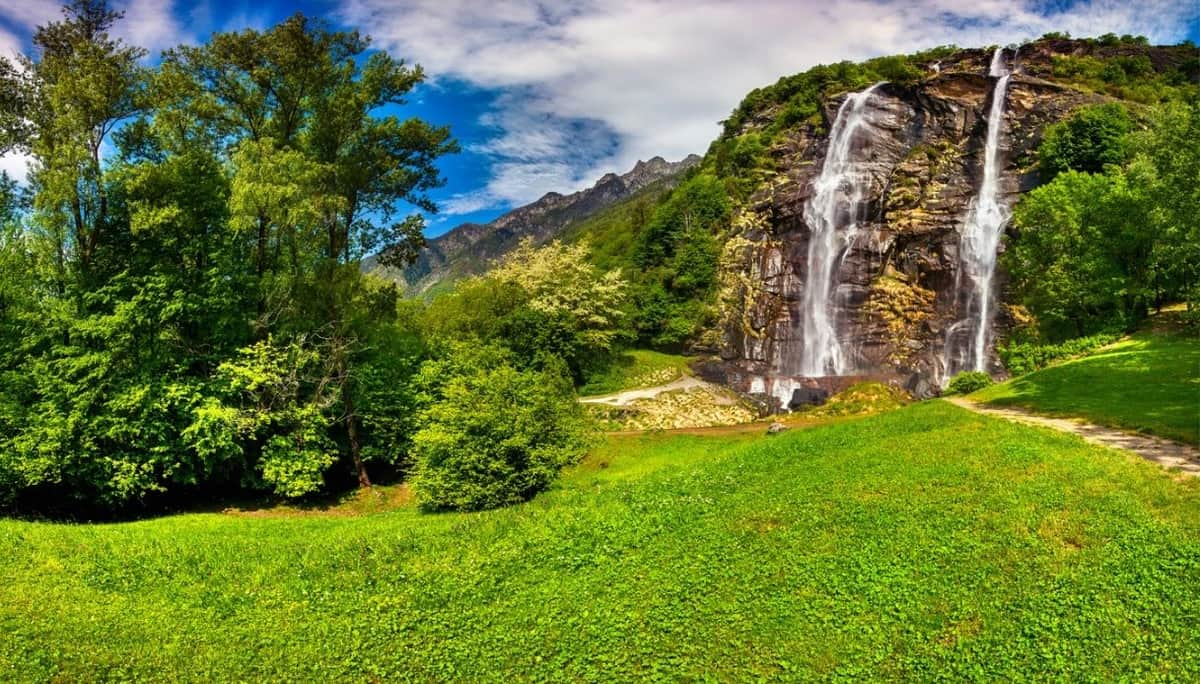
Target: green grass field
column 635, row 369
column 924, row 543
column 1149, row 382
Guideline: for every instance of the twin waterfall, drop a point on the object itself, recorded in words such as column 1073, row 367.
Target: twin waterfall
column 833, row 214
column 837, row 211
column 968, row 339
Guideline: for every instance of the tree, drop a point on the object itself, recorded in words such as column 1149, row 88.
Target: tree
column 1167, row 164
column 546, row 304
column 1079, row 259
column 1090, row 140
column 83, row 84
column 321, row 177
column 491, row 435
column 182, row 310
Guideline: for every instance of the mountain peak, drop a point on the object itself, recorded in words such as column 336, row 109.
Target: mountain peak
column 471, row 248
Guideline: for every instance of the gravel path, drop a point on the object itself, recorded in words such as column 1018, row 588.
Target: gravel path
column 629, row 396
column 1164, row 452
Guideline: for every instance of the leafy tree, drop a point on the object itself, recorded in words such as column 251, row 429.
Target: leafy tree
column 321, row 177
column 277, row 410
column 81, row 86
column 183, row 310
column 1071, row 260
column 1090, row 140
column 1167, row 165
column 1096, row 250
column 545, row 303
column 491, row 435
column 678, row 253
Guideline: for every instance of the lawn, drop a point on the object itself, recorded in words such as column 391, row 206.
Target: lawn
column 636, row 369
column 1149, row 382
column 923, row 543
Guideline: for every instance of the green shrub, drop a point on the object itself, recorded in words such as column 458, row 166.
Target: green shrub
column 1026, row 357
column 1093, row 138
column 491, row 435
column 968, row 381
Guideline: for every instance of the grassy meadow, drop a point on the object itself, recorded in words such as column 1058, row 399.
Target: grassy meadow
column 924, row 543
column 1149, row 382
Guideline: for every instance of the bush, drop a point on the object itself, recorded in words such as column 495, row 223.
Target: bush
column 968, row 381
column 1024, row 358
column 491, row 435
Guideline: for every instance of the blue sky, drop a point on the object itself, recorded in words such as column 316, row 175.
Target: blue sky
column 550, row 95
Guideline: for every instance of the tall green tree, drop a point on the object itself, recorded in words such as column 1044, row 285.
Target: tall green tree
column 80, row 85
column 321, row 178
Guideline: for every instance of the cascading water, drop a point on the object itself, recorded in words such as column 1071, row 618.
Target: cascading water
column 832, row 214
column 968, row 340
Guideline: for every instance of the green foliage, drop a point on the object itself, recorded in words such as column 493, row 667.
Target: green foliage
column 968, row 382
column 1148, row 382
column 635, row 369
column 491, row 435
column 1026, row 357
column 186, row 316
column 1073, row 260
column 922, row 544
column 677, row 256
column 546, row 304
column 1099, row 251
column 1092, row 139
column 800, row 96
column 276, row 402
column 1131, row 77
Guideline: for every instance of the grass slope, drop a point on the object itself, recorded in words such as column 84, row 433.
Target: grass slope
column 1149, row 382
column 636, row 369
column 923, row 543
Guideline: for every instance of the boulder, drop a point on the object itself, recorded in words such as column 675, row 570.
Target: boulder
column 808, row 396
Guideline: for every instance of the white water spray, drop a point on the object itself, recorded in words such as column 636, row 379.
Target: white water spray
column 832, row 215
column 981, row 235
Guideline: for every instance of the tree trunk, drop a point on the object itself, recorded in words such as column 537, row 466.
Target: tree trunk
column 352, row 431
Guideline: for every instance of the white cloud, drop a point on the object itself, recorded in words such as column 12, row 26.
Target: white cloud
column 30, row 13
column 16, row 165
column 151, row 24
column 10, row 45
column 658, row 74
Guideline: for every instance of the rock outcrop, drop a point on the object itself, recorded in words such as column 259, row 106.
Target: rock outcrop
column 897, row 283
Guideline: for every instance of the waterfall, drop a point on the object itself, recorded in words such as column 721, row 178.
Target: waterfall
column 979, row 243
column 832, row 215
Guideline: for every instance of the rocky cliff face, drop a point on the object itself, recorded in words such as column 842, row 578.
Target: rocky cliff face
column 897, row 282
column 471, row 248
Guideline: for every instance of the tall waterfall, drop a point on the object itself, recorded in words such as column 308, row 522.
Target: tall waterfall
column 968, row 339
column 832, row 215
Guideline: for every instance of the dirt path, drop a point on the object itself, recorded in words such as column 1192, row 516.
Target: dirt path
column 629, row 396
column 1164, row 452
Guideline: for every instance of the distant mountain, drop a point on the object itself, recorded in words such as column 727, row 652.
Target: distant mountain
column 470, row 248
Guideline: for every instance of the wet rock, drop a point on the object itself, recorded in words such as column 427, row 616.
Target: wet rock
column 898, row 287
column 808, row 396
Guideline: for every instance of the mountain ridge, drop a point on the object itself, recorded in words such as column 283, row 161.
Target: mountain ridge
column 470, row 248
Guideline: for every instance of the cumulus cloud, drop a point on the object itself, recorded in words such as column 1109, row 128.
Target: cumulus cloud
column 15, row 165
column 657, row 75
column 152, row 24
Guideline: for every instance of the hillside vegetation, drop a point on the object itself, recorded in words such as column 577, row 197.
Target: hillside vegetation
column 960, row 547
column 1148, row 382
